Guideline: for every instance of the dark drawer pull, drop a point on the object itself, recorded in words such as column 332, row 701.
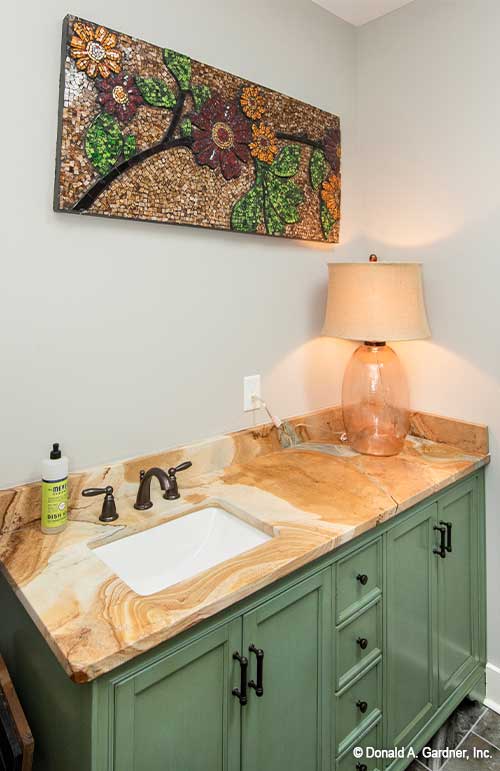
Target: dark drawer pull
column 441, row 549
column 363, row 643
column 361, row 767
column 259, row 685
column 362, row 578
column 362, row 706
column 241, row 692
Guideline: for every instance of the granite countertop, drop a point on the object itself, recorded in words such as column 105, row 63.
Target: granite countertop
column 317, row 496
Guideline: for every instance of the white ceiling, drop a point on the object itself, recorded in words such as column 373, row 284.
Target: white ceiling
column 359, row 12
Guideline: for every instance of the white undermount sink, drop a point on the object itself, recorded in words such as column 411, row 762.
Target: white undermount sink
column 164, row 555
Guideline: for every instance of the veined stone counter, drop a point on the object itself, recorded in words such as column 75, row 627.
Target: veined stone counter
column 316, row 496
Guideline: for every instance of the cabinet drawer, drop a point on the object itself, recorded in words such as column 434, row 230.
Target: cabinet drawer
column 373, row 738
column 358, row 642
column 359, row 579
column 350, row 719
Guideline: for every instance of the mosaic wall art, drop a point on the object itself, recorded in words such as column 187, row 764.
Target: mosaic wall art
column 150, row 134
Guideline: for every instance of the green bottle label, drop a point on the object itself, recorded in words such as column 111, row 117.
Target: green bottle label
column 54, row 503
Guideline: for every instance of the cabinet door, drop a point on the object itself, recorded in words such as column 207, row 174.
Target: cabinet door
column 411, row 603
column 288, row 727
column 179, row 714
column 458, row 594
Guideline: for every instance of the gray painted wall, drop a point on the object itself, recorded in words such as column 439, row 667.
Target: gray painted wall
column 119, row 338
column 429, row 112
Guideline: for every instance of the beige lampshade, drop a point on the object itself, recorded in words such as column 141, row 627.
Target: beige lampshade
column 375, row 301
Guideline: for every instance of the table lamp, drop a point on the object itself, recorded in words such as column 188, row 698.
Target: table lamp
column 374, row 302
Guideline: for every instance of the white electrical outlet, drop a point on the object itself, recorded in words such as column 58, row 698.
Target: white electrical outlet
column 251, row 387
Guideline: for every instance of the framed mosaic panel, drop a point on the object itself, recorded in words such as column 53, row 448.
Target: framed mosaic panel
column 150, row 134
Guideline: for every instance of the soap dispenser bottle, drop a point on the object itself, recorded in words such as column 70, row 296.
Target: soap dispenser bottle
column 54, row 492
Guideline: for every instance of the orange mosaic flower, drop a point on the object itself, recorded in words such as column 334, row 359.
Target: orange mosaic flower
column 252, row 102
column 264, row 145
column 330, row 193
column 95, row 50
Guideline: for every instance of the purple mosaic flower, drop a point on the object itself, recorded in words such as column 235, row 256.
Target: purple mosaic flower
column 119, row 96
column 221, row 136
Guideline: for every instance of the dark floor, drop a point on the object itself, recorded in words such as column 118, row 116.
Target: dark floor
column 472, row 728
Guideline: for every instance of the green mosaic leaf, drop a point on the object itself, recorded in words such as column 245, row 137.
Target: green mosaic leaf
column 318, row 168
column 272, row 199
column 327, row 220
column 247, row 212
column 274, row 225
column 285, row 196
column 129, row 146
column 155, row 92
column 103, row 142
column 186, row 128
column 180, row 67
column 200, row 95
column 286, row 164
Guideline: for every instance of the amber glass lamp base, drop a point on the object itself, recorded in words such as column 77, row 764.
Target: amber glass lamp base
column 375, row 401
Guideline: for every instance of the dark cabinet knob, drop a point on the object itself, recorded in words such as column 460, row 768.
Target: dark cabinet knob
column 363, row 643
column 361, row 767
column 362, row 706
column 362, row 578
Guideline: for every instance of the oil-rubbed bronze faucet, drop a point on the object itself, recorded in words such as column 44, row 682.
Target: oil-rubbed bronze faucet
column 168, row 483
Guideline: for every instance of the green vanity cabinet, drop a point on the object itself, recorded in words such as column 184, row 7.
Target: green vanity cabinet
column 178, row 704
column 435, row 598
column 180, row 713
column 458, row 589
column 289, row 726
column 372, row 645
column 411, row 640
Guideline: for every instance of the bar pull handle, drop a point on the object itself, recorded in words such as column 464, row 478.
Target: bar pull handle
column 241, row 692
column 441, row 549
column 259, row 685
column 448, row 526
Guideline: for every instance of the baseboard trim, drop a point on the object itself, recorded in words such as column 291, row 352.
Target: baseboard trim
column 492, row 699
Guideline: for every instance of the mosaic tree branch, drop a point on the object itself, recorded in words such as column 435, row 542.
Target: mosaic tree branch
column 166, row 144
column 98, row 187
column 179, row 106
column 302, row 138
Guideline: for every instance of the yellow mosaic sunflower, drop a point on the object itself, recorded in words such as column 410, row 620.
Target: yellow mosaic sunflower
column 330, row 193
column 252, row 102
column 264, row 145
column 94, row 50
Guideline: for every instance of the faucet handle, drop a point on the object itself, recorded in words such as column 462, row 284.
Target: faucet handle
column 173, row 491
column 181, row 467
column 108, row 513
column 91, row 491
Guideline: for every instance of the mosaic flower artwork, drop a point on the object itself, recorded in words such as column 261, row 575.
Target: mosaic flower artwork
column 150, row 134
